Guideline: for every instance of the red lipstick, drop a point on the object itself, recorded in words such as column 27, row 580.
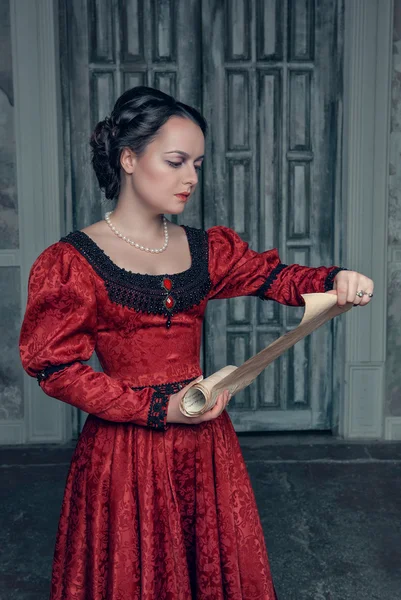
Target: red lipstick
column 182, row 196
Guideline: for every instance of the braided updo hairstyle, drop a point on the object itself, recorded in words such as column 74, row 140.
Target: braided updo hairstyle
column 136, row 118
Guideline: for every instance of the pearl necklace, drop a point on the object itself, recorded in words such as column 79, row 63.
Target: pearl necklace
column 126, row 239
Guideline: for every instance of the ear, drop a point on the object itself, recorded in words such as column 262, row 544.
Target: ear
column 128, row 160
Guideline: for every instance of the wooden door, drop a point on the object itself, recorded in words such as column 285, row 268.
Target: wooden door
column 272, row 94
column 266, row 74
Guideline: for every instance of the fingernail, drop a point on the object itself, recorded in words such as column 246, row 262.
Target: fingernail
column 200, row 378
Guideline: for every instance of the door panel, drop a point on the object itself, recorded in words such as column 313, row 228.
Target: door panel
column 271, row 92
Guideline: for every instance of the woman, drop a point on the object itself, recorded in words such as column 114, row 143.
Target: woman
column 156, row 505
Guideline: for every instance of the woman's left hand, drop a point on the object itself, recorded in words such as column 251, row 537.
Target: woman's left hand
column 347, row 283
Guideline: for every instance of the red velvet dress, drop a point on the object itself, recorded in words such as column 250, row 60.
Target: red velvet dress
column 151, row 510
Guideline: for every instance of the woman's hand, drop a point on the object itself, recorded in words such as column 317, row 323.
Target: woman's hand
column 347, row 283
column 174, row 415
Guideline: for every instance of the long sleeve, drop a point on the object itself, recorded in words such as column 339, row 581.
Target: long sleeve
column 59, row 331
column 237, row 270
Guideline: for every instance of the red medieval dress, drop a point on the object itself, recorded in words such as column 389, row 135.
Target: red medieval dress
column 151, row 510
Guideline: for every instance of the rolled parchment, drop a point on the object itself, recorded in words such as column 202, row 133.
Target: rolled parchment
column 319, row 308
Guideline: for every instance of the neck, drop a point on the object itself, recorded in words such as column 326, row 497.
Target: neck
column 136, row 221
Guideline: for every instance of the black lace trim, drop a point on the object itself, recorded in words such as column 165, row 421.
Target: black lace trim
column 159, row 403
column 47, row 371
column 147, row 293
column 273, row 275
column 329, row 281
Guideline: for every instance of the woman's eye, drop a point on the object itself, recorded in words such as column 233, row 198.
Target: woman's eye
column 176, row 165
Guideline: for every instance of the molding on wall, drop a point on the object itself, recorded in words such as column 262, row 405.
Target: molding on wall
column 34, row 31
column 394, row 253
column 12, row 432
column 367, row 95
column 393, row 428
column 10, row 257
column 48, row 420
column 365, row 411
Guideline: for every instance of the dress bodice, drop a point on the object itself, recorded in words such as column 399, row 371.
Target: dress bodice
column 145, row 320
column 145, row 329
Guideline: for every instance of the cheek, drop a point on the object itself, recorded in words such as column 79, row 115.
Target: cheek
column 157, row 173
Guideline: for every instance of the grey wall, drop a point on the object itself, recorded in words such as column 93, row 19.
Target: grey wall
column 393, row 375
column 11, row 405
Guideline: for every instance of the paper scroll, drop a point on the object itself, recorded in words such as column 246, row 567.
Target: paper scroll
column 319, row 308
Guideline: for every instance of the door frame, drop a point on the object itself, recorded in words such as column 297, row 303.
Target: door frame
column 359, row 339
column 361, row 346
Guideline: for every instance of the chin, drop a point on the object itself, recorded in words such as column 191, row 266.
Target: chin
column 175, row 210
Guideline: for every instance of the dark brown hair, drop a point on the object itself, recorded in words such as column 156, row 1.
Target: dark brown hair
column 136, row 118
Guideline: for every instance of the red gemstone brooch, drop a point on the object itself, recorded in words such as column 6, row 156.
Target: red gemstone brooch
column 168, row 301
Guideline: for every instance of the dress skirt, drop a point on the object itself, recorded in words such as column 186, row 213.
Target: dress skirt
column 167, row 515
column 151, row 511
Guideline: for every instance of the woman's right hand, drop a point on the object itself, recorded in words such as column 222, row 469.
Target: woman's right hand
column 174, row 415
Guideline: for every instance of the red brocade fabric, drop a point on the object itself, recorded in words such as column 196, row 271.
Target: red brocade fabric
column 151, row 510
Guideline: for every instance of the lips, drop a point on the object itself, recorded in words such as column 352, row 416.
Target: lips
column 183, row 196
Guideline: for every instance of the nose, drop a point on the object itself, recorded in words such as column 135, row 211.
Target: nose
column 191, row 175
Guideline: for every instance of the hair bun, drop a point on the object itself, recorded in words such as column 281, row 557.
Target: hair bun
column 100, row 143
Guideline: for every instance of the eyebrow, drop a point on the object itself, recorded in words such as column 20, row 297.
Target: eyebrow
column 183, row 154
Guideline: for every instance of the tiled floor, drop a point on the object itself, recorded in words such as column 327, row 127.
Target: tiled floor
column 331, row 513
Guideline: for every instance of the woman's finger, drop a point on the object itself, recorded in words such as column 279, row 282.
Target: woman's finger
column 348, row 283
column 352, row 288
column 368, row 289
column 214, row 412
column 227, row 397
column 363, row 284
column 217, row 409
column 342, row 290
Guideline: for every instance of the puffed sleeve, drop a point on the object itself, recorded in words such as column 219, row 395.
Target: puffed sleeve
column 237, row 270
column 59, row 331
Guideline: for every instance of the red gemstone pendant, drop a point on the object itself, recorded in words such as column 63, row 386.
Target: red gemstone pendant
column 169, row 302
column 167, row 284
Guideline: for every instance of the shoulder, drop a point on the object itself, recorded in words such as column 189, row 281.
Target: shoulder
column 217, row 240
column 61, row 260
column 60, row 274
column 224, row 239
column 221, row 233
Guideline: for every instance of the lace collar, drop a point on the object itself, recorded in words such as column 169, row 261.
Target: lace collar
column 165, row 294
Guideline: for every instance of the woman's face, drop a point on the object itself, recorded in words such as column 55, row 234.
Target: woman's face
column 169, row 166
